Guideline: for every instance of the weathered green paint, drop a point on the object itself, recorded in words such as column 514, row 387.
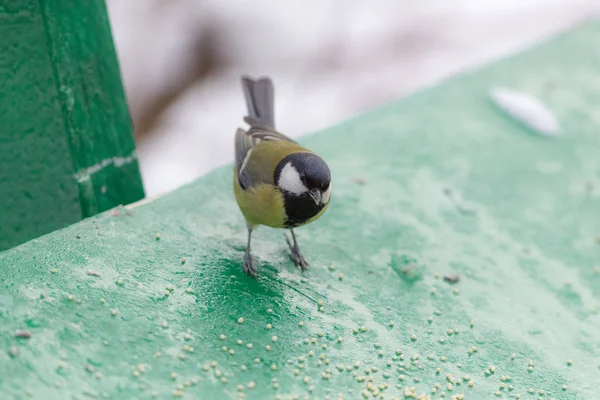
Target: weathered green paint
column 62, row 111
column 523, row 241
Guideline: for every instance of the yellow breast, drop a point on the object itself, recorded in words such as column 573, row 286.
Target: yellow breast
column 261, row 204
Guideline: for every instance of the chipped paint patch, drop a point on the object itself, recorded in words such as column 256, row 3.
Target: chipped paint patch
column 117, row 161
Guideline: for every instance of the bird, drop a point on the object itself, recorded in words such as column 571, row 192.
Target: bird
column 277, row 182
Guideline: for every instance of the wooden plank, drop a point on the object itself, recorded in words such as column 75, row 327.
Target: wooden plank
column 449, row 185
column 66, row 143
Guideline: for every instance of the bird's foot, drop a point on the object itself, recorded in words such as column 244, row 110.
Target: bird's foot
column 296, row 254
column 249, row 265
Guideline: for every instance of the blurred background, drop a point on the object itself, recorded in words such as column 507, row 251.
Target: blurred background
column 181, row 61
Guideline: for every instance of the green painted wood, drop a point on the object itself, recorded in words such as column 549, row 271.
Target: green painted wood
column 66, row 143
column 161, row 316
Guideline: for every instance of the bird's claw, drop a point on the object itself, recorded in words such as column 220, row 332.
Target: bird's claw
column 249, row 265
column 297, row 256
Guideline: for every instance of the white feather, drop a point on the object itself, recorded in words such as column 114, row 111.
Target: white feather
column 326, row 195
column 289, row 180
column 245, row 162
column 527, row 109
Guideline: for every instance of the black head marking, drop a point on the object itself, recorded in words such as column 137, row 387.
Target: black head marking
column 299, row 209
column 314, row 172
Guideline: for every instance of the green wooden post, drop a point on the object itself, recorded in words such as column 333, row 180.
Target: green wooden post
column 448, row 185
column 66, row 143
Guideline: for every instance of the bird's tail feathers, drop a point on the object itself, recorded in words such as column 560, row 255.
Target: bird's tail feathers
column 260, row 101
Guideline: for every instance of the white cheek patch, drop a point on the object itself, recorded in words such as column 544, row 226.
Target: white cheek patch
column 289, row 180
column 326, row 195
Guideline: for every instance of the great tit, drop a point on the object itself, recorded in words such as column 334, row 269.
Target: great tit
column 277, row 182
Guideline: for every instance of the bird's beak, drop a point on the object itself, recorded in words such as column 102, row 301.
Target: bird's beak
column 316, row 195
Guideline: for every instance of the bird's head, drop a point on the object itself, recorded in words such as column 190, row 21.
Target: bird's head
column 304, row 175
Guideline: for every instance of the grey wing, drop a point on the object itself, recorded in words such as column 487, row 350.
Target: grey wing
column 244, row 143
column 243, row 148
column 260, row 132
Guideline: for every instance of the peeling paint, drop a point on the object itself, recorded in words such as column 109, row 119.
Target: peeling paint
column 117, row 161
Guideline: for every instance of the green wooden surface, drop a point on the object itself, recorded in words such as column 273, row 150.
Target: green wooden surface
column 66, row 143
column 522, row 239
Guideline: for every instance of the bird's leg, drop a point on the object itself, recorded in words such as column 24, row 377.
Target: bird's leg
column 297, row 256
column 248, row 265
